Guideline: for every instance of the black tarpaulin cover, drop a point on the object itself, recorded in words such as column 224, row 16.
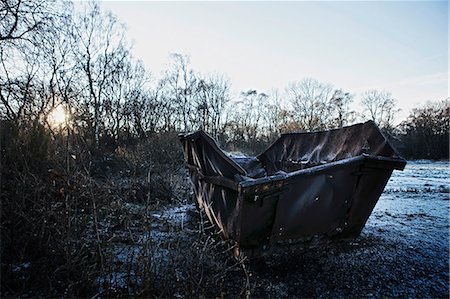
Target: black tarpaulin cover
column 305, row 185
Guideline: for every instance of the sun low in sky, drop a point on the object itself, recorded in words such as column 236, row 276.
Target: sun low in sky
column 401, row 47
column 57, row 116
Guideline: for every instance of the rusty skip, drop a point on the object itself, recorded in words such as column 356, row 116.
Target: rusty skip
column 305, row 185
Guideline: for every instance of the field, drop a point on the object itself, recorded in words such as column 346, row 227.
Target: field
column 136, row 247
column 402, row 251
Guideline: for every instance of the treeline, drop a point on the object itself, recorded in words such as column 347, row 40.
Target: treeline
column 425, row 133
column 53, row 55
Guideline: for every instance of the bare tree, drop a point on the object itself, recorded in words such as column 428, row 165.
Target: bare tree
column 143, row 102
column 30, row 32
column 181, row 87
column 342, row 115
column 287, row 123
column 380, row 107
column 310, row 101
column 212, row 96
column 245, row 118
column 102, row 43
column 271, row 111
column 22, row 20
column 124, row 87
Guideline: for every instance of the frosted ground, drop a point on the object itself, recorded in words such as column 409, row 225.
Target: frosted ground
column 402, row 251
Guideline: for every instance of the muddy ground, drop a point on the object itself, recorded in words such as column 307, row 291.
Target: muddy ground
column 402, row 251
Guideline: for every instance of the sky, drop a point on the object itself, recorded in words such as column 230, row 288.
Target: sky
column 401, row 47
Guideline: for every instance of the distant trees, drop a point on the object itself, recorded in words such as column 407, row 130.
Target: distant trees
column 318, row 106
column 425, row 133
column 310, row 101
column 380, row 107
column 246, row 117
column 213, row 96
column 51, row 55
column 102, row 57
column 193, row 101
column 340, row 108
column 181, row 87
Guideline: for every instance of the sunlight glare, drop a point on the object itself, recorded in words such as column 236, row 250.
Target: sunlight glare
column 58, row 116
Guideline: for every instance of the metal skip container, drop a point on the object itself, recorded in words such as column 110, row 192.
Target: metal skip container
column 305, row 186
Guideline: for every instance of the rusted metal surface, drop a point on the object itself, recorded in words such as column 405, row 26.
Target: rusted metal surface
column 305, row 186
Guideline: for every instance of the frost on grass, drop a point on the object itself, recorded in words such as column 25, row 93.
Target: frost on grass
column 178, row 254
column 154, row 250
column 402, row 251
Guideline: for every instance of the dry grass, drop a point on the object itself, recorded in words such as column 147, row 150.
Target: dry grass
column 77, row 222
